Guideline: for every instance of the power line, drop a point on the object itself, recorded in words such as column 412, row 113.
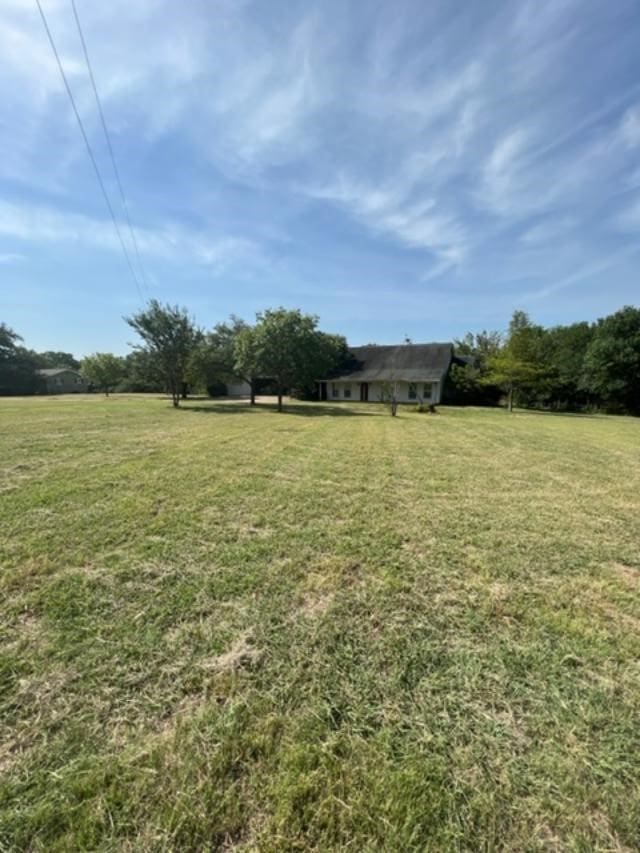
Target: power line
column 109, row 145
column 88, row 146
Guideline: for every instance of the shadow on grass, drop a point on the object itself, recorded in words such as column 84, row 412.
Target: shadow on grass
column 549, row 413
column 306, row 411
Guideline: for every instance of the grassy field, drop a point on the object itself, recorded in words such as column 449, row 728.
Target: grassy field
column 225, row 628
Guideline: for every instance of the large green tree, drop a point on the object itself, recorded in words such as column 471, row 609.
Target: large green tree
column 245, row 358
column 52, row 358
column 466, row 383
column 612, row 360
column 171, row 337
column 287, row 347
column 216, row 361
column 104, row 370
column 518, row 365
column 18, row 366
column 142, row 373
column 564, row 349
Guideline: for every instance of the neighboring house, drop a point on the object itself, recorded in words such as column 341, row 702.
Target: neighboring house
column 63, row 380
column 416, row 372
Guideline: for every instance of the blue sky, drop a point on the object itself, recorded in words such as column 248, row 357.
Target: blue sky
column 395, row 167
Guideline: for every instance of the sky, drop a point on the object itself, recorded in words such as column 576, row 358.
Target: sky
column 397, row 168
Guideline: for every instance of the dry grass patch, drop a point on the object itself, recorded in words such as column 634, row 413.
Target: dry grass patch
column 232, row 629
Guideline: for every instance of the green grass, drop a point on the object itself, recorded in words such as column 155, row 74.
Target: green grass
column 225, row 628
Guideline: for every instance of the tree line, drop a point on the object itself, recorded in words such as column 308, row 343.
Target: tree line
column 579, row 367
column 176, row 356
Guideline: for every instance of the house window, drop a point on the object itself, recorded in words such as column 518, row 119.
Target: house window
column 413, row 391
column 427, row 390
column 335, row 390
column 347, row 390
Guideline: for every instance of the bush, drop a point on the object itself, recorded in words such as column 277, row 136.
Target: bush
column 217, row 389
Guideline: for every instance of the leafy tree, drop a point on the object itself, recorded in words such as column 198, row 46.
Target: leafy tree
column 612, row 360
column 564, row 349
column 142, row 373
column 245, row 355
column 518, row 364
column 171, row 337
column 57, row 359
column 104, row 370
column 287, row 347
column 466, row 383
column 18, row 366
column 214, row 362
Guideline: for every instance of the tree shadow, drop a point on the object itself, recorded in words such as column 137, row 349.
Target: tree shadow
column 311, row 410
column 556, row 414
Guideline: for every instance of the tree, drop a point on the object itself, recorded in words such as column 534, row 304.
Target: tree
column 142, row 373
column 467, row 383
column 215, row 363
column 517, row 365
column 104, row 370
column 57, row 359
column 287, row 347
column 564, row 350
column 171, row 337
column 18, row 366
column 245, row 358
column 612, row 360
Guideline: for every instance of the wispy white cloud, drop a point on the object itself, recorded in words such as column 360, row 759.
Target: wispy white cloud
column 630, row 127
column 466, row 142
column 37, row 224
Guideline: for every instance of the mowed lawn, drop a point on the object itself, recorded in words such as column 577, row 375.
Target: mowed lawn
column 226, row 628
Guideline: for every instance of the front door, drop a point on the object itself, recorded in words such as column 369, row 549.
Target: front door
column 364, row 392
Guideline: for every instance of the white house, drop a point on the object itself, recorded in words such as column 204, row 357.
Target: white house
column 415, row 372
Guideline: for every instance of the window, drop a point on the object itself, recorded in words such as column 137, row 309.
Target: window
column 413, row 391
column 335, row 389
column 347, row 390
column 427, row 390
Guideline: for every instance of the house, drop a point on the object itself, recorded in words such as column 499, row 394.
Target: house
column 415, row 372
column 63, row 380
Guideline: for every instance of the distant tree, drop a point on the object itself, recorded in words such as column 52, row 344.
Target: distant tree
column 466, row 383
column 57, row 359
column 214, row 363
column 564, row 350
column 287, row 347
column 142, row 373
column 104, row 370
column 612, row 360
column 18, row 365
column 517, row 365
column 171, row 337
column 245, row 358
column 332, row 354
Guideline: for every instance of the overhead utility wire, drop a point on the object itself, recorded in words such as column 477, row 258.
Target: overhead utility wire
column 109, row 145
column 88, row 146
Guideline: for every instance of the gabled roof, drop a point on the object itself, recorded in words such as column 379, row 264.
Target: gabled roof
column 54, row 371
column 403, row 362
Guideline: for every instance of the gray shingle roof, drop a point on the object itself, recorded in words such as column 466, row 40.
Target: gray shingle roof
column 404, row 362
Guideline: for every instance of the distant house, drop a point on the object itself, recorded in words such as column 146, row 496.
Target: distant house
column 63, row 380
column 416, row 372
